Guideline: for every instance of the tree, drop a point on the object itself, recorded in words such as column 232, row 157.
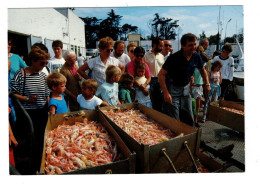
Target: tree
column 203, row 35
column 127, row 28
column 110, row 26
column 213, row 39
column 91, row 31
column 164, row 27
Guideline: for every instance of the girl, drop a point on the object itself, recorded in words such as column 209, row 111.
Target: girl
column 215, row 80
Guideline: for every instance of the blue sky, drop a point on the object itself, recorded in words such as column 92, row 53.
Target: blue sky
column 193, row 19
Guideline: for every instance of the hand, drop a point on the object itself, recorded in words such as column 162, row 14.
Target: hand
column 167, row 97
column 207, row 89
column 78, row 77
column 33, row 98
column 12, row 140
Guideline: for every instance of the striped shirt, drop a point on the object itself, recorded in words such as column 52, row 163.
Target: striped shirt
column 35, row 84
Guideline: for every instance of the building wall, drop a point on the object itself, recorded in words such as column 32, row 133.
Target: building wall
column 48, row 24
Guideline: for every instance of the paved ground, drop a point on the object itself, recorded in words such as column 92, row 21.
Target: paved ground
column 218, row 136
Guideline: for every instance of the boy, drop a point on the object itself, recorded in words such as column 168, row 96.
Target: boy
column 88, row 100
column 127, row 82
column 57, row 83
column 57, row 61
column 142, row 94
column 108, row 91
column 227, row 70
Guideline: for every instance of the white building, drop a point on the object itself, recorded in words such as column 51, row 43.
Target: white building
column 30, row 25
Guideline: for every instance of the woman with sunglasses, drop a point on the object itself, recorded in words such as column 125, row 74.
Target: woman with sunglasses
column 99, row 64
column 130, row 50
column 30, row 87
column 16, row 61
column 131, row 67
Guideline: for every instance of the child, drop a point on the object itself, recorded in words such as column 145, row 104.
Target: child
column 108, row 91
column 88, row 100
column 57, row 84
column 127, row 82
column 215, row 80
column 142, row 95
column 196, row 83
column 57, row 61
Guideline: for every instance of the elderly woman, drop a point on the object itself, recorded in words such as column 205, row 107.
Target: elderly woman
column 30, row 87
column 73, row 86
column 99, row 64
column 130, row 50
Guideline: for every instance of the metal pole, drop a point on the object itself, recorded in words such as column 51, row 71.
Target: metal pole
column 226, row 31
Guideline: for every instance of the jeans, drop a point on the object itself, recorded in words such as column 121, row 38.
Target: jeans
column 156, row 94
column 181, row 107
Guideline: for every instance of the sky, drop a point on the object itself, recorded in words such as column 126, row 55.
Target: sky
column 194, row 19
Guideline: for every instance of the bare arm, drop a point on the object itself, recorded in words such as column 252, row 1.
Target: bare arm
column 82, row 70
column 204, row 75
column 161, row 77
column 52, row 109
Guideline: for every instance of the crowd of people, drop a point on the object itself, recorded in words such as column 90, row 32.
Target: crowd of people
column 159, row 79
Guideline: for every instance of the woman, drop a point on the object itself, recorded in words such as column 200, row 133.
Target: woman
column 73, row 86
column 130, row 50
column 131, row 67
column 30, row 87
column 16, row 61
column 99, row 64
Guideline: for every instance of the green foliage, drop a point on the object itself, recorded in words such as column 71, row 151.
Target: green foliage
column 164, row 27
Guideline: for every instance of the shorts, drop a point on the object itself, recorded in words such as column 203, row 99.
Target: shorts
column 196, row 91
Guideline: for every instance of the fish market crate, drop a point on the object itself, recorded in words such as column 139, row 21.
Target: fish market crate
column 164, row 157
column 127, row 161
column 227, row 113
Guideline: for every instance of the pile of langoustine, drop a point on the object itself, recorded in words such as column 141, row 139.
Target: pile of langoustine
column 79, row 146
column 139, row 126
column 233, row 110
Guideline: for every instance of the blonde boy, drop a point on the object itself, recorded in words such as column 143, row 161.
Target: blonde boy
column 108, row 91
column 88, row 100
column 57, row 84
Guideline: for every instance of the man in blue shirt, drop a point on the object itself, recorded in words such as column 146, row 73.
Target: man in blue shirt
column 174, row 79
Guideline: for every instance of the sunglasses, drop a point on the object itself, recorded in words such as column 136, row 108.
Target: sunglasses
column 132, row 51
column 139, row 55
column 109, row 50
column 9, row 43
column 167, row 45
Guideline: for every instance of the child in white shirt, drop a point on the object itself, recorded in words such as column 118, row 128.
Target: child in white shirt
column 88, row 100
column 142, row 95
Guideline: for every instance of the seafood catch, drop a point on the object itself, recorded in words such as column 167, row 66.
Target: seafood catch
column 138, row 126
column 233, row 110
column 79, row 146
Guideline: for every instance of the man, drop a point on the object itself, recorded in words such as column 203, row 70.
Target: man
column 81, row 60
column 179, row 67
column 227, row 70
column 118, row 53
column 166, row 49
column 57, row 61
column 155, row 60
column 204, row 44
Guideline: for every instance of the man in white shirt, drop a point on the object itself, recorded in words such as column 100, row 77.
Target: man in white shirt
column 167, row 45
column 57, row 61
column 80, row 60
column 155, row 60
column 118, row 53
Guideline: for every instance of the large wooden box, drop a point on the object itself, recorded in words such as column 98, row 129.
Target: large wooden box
column 150, row 158
column 227, row 118
column 125, row 166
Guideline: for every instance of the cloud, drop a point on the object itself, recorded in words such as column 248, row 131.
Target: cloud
column 203, row 26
